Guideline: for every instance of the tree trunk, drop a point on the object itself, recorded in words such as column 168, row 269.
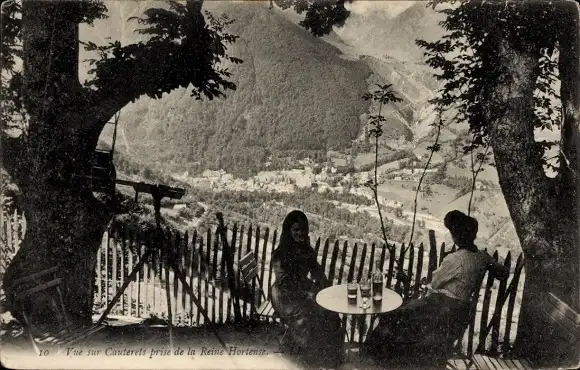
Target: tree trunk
column 62, row 230
column 569, row 67
column 65, row 222
column 542, row 209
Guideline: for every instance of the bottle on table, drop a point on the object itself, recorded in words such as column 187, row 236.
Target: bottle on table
column 377, row 282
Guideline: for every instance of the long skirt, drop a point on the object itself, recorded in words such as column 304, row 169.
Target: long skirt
column 315, row 333
column 420, row 333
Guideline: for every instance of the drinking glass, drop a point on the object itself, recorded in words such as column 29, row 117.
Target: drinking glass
column 351, row 290
column 365, row 292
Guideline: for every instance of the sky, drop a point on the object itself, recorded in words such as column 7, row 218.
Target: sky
column 390, row 7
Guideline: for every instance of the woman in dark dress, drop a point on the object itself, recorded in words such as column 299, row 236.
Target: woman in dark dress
column 422, row 332
column 315, row 332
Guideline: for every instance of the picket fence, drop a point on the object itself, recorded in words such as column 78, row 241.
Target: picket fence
column 200, row 256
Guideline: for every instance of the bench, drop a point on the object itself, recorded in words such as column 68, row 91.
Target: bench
column 249, row 270
column 59, row 329
column 484, row 362
column 560, row 344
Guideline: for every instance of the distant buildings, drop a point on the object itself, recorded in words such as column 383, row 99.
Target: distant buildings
column 480, row 186
column 210, row 174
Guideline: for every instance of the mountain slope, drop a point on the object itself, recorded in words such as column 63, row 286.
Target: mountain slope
column 294, row 93
column 380, row 34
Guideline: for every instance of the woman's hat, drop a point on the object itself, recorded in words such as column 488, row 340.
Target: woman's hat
column 461, row 226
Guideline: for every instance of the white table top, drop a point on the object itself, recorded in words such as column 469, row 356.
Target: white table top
column 334, row 299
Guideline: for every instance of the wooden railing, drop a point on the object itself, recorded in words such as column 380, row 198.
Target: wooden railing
column 12, row 228
column 200, row 256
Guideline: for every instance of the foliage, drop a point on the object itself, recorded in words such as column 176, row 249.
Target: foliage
column 11, row 112
column 320, row 15
column 466, row 59
column 176, row 35
column 476, row 167
column 383, row 94
column 184, row 50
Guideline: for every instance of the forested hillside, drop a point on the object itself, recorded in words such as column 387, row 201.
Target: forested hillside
column 294, row 92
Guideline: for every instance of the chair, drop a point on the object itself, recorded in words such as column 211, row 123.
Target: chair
column 65, row 332
column 249, row 269
column 452, row 352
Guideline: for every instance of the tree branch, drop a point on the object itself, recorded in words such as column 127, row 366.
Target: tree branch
column 183, row 51
column 434, row 148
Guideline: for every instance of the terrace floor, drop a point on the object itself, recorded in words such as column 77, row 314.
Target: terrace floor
column 257, row 349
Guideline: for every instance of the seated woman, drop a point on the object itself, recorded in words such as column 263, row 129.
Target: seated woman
column 422, row 331
column 315, row 332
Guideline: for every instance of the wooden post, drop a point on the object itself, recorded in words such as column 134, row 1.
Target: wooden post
column 99, row 274
column 333, row 258
column 165, row 258
column 207, row 270
column 122, row 262
column 399, row 286
column 214, row 269
column 193, row 271
column 317, row 246
column 324, row 254
column 270, row 272
column 407, row 284
column 498, row 307
column 184, row 265
column 200, row 268
column 419, row 271
column 511, row 303
column 432, row 255
column 485, row 309
column 228, row 255
column 361, row 264
column 239, row 257
column 114, row 251
column 263, row 259
column 129, row 252
column 392, row 256
column 342, row 261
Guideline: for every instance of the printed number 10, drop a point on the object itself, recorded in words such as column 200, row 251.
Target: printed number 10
column 43, row 352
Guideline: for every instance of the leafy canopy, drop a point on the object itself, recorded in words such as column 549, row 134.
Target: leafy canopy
column 319, row 15
column 182, row 50
column 466, row 59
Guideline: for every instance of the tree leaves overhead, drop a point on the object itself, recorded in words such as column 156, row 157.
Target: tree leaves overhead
column 321, row 15
column 466, row 57
column 91, row 10
column 11, row 112
column 183, row 50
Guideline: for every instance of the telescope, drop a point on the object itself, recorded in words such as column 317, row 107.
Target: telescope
column 158, row 191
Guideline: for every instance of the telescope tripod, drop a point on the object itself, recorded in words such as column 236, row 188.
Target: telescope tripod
column 168, row 256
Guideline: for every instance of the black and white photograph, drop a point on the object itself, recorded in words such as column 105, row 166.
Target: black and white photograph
column 290, row 184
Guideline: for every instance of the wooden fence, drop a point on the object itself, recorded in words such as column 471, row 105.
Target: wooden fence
column 12, row 228
column 200, row 257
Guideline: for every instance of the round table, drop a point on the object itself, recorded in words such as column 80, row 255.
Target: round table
column 334, row 299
